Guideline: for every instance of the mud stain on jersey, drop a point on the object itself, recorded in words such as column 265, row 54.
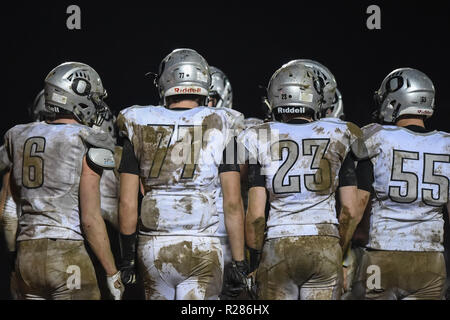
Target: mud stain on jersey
column 150, row 214
column 186, row 202
column 118, row 159
column 319, row 130
column 327, row 230
column 355, row 130
column 210, row 125
column 213, row 121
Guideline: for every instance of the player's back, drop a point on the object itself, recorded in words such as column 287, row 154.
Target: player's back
column 47, row 167
column 179, row 153
column 411, row 173
column 301, row 164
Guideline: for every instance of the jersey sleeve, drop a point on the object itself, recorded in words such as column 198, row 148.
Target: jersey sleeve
column 247, row 148
column 123, row 124
column 238, row 122
column 230, row 161
column 128, row 163
column 372, row 144
column 347, row 173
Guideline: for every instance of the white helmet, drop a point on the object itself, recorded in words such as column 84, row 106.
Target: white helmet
column 221, row 88
column 184, row 72
column 294, row 89
column 328, row 85
column 405, row 91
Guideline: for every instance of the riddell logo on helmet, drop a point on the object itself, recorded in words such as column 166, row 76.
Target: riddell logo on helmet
column 188, row 90
column 293, row 110
column 426, row 112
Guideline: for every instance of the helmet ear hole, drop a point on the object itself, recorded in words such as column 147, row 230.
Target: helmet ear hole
column 83, row 106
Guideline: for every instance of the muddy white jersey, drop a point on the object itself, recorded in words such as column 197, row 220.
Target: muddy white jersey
column 109, row 192
column 179, row 153
column 411, row 184
column 251, row 122
column 46, row 166
column 301, row 164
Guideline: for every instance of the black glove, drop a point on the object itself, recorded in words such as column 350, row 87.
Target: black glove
column 236, row 278
column 128, row 253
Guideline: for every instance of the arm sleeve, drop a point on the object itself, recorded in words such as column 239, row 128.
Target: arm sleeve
column 347, row 174
column 364, row 172
column 129, row 163
column 255, row 178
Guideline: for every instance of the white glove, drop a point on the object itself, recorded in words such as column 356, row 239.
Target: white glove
column 115, row 286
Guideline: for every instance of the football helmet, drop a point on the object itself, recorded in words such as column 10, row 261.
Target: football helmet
column 37, row 109
column 337, row 109
column 75, row 88
column 327, row 81
column 295, row 89
column 404, row 91
column 183, row 71
column 106, row 121
column 221, row 88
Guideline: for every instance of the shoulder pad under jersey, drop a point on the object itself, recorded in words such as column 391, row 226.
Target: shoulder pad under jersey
column 97, row 139
column 102, row 158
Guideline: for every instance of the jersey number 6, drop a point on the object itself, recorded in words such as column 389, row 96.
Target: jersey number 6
column 33, row 164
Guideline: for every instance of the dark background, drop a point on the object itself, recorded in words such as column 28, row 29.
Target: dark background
column 249, row 41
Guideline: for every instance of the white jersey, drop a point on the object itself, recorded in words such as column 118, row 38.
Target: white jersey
column 46, row 166
column 109, row 191
column 251, row 122
column 179, row 154
column 411, row 172
column 301, row 164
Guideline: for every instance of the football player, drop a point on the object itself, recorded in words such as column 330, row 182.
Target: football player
column 410, row 181
column 55, row 171
column 176, row 150
column 9, row 210
column 301, row 161
column 221, row 96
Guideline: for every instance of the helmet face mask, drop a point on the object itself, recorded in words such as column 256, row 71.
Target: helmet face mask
column 183, row 72
column 220, row 89
column 294, row 89
column 404, row 91
column 337, row 108
column 106, row 122
column 75, row 88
